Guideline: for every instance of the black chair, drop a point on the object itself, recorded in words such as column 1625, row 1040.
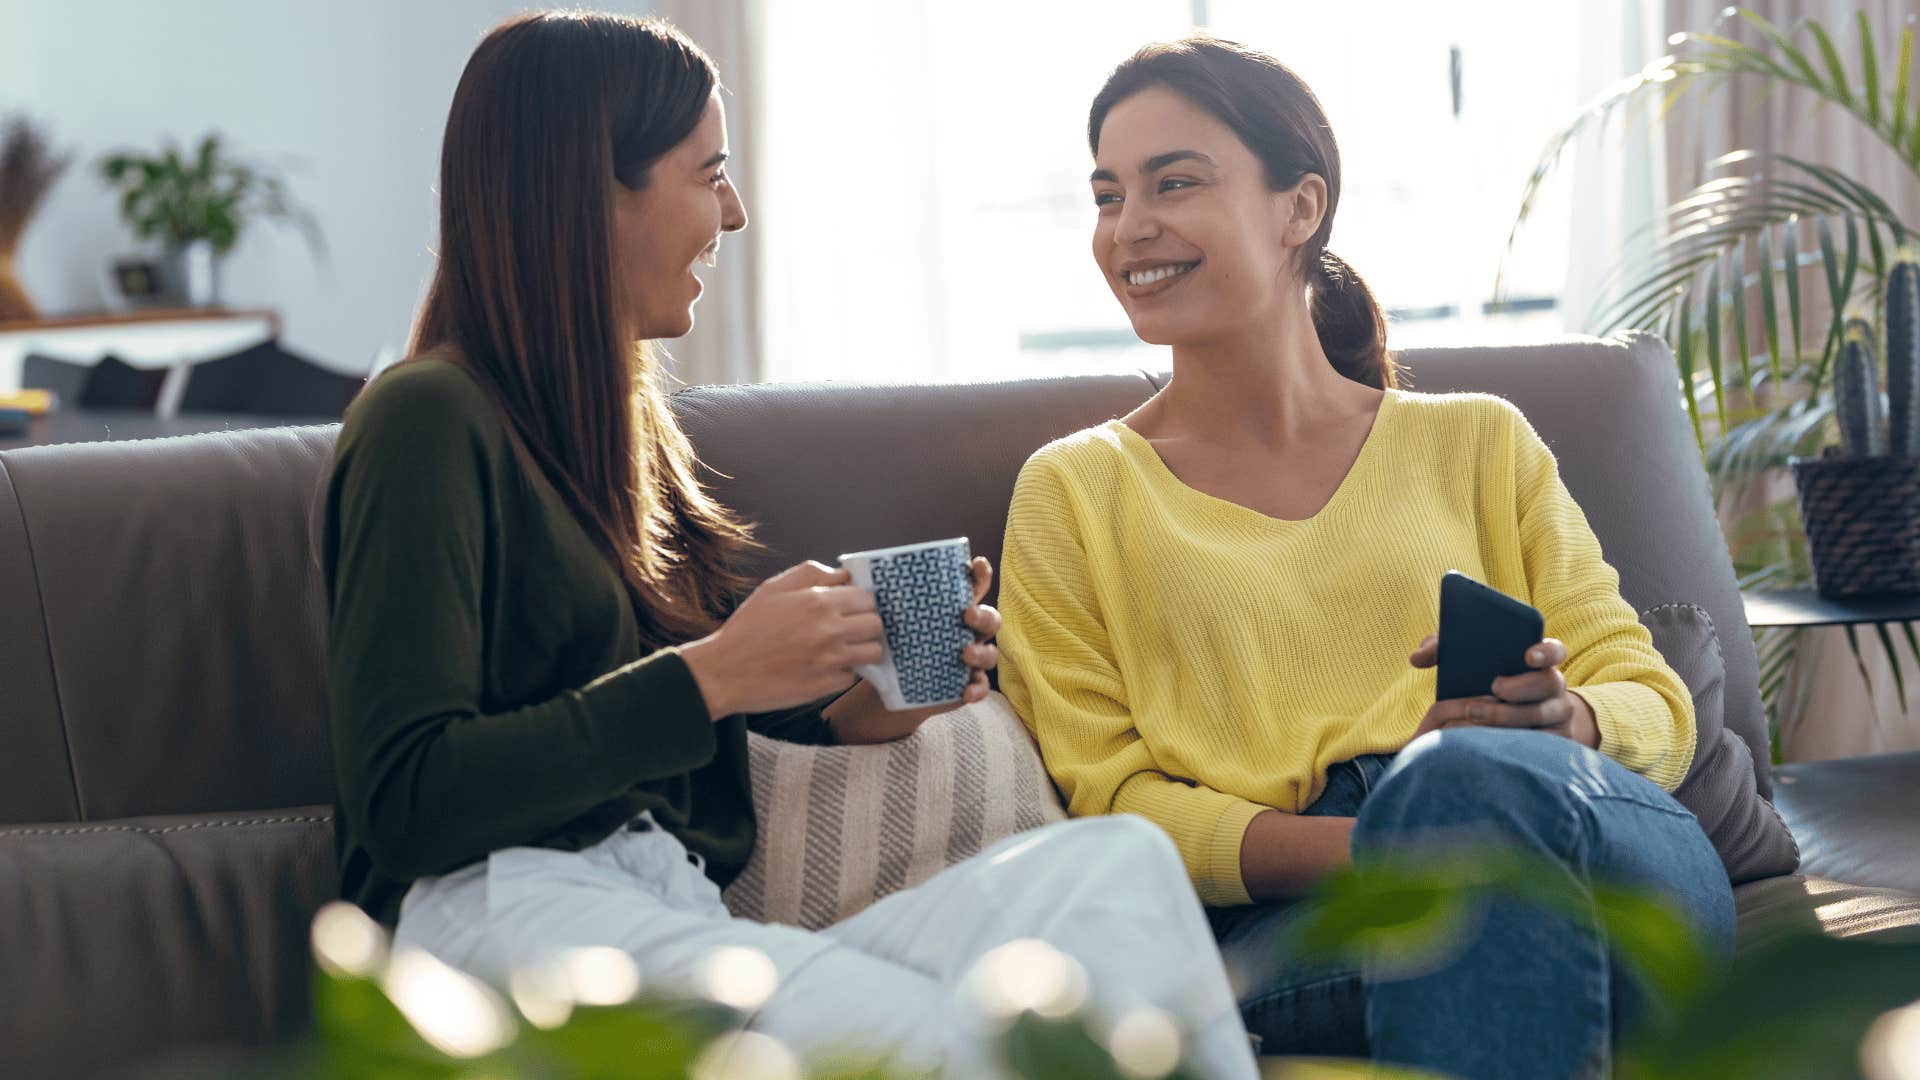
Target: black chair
column 267, row 380
column 64, row 377
column 115, row 384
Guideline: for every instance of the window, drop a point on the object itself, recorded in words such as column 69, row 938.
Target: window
column 923, row 198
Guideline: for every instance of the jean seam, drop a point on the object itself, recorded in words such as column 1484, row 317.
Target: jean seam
column 1584, row 829
column 1272, row 996
column 1675, row 810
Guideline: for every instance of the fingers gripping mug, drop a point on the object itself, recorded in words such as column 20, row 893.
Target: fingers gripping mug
column 922, row 592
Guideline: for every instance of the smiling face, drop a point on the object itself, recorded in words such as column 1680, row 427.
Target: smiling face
column 1191, row 237
column 673, row 222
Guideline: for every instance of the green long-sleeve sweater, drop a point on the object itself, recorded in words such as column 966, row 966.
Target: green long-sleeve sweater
column 488, row 684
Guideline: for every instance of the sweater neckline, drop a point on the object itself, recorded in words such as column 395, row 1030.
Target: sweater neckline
column 1143, row 449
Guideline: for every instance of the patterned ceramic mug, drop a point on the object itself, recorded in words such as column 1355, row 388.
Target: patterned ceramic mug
column 922, row 591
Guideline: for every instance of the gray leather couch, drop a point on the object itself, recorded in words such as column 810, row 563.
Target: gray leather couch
column 165, row 828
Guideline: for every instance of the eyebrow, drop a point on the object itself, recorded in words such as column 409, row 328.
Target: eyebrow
column 1154, row 164
column 717, row 159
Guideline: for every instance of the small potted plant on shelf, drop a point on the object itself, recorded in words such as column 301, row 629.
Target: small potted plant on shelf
column 1860, row 500
column 197, row 205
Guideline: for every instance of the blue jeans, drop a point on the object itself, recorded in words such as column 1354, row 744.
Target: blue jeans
column 1534, row 993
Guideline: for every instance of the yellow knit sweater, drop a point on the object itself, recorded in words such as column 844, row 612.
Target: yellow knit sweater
column 1196, row 662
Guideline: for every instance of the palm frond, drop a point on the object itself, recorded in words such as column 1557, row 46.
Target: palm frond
column 1901, row 79
column 1893, row 664
column 1717, row 262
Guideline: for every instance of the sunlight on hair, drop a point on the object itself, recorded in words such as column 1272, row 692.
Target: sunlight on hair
column 1145, row 1044
column 455, row 1012
column 1027, row 976
column 744, row 1055
column 599, row 975
column 1891, row 1050
column 737, row 977
column 347, row 943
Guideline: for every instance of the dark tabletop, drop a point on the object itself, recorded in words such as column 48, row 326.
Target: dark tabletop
column 1805, row 607
column 76, row 426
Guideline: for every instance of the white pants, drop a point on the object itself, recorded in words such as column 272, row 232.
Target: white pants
column 1109, row 891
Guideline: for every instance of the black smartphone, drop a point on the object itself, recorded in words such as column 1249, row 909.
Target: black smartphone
column 1484, row 634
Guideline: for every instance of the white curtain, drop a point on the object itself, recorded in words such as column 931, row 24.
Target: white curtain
column 724, row 346
column 1618, row 177
column 1841, row 716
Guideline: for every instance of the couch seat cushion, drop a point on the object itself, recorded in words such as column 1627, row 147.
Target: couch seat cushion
column 1857, row 819
column 125, row 938
column 1779, row 905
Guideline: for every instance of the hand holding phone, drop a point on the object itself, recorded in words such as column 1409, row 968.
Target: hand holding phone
column 1485, row 640
column 1484, row 634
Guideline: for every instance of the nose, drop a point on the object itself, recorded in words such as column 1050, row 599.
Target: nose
column 733, row 212
column 1137, row 222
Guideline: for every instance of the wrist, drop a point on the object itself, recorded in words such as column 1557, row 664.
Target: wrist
column 706, row 662
column 858, row 717
column 1586, row 723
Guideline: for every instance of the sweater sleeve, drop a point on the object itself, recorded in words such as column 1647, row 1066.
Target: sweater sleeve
column 1058, row 670
column 1643, row 710
column 421, row 769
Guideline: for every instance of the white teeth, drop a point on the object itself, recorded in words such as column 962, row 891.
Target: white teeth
column 1159, row 273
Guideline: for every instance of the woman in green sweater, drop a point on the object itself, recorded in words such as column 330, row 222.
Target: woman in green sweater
column 540, row 683
column 1210, row 602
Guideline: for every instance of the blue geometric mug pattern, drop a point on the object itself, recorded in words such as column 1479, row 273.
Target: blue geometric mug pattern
column 921, row 596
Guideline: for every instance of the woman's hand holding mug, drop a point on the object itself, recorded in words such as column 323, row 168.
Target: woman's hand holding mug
column 796, row 639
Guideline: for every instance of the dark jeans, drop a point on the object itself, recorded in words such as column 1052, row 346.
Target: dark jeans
column 1534, row 993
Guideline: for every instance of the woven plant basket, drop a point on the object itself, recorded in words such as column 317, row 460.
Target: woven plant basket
column 1862, row 516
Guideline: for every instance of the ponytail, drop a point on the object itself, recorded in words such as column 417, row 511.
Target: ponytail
column 1352, row 328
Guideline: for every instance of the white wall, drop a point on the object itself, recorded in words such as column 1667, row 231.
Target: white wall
column 352, row 94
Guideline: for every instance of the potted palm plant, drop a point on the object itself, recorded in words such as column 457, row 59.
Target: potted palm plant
column 1753, row 271
column 197, row 205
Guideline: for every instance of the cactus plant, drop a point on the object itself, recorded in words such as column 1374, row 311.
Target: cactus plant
column 1903, row 355
column 1856, row 393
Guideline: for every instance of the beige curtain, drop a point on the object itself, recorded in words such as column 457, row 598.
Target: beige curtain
column 1786, row 122
column 1840, row 717
column 1789, row 122
column 724, row 346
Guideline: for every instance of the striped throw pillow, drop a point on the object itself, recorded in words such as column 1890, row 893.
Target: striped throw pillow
column 842, row 826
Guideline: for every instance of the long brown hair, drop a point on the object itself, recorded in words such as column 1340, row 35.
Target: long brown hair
column 552, row 110
column 1276, row 115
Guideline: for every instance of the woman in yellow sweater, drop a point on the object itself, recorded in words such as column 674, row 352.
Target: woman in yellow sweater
column 1209, row 602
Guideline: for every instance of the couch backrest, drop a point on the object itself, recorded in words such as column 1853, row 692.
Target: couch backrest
column 828, row 469
column 1611, row 412
column 161, row 627
column 161, row 619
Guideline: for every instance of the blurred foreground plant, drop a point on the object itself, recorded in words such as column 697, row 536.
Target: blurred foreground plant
column 1793, row 1002
column 584, row 1015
